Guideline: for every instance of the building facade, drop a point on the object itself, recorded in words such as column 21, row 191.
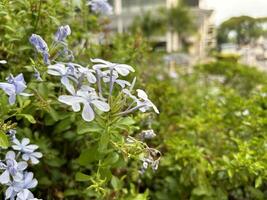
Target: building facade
column 126, row 10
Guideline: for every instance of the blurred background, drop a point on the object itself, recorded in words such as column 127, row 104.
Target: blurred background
column 202, row 63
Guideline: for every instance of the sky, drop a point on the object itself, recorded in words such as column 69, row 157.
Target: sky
column 225, row 9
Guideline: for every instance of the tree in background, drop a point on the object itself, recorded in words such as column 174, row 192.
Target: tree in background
column 149, row 24
column 176, row 20
column 240, row 30
column 179, row 20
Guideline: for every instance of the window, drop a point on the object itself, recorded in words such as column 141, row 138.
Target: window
column 194, row 3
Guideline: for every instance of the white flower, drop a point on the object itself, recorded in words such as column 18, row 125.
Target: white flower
column 27, row 150
column 146, row 102
column 21, row 189
column 12, row 168
column 143, row 103
column 66, row 73
column 122, row 69
column 87, row 99
column 88, row 73
column 14, row 86
column 148, row 134
column 115, row 76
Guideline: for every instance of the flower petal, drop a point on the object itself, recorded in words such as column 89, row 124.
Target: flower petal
column 122, row 83
column 5, row 177
column 12, row 99
column 65, row 81
column 10, row 155
column 10, row 192
column 25, row 194
column 142, row 94
column 123, row 69
column 88, row 113
column 103, row 106
column 22, row 165
column 8, row 88
column 72, row 101
column 25, row 141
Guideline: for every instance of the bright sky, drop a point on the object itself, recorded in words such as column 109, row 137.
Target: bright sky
column 228, row 8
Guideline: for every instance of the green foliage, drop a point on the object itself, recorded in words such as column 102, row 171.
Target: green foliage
column 245, row 29
column 177, row 19
column 150, row 24
column 241, row 77
column 212, row 131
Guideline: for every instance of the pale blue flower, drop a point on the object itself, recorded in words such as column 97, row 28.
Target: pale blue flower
column 21, row 189
column 88, row 99
column 12, row 168
column 15, row 86
column 65, row 73
column 32, row 157
column 39, row 44
column 18, row 82
column 62, row 33
column 113, row 70
column 122, row 69
column 114, row 79
column 142, row 102
column 41, row 47
column 37, row 75
column 149, row 160
column 100, row 7
column 148, row 134
column 145, row 102
column 12, row 134
column 82, row 72
column 27, row 150
column 88, row 73
column 25, row 194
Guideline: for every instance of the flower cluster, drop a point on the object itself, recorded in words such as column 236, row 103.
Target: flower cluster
column 59, row 41
column 79, row 80
column 151, row 156
column 14, row 168
column 13, row 87
column 147, row 134
column 152, row 159
column 91, row 90
column 100, row 7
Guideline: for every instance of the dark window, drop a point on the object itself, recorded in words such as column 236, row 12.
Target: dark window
column 194, row 3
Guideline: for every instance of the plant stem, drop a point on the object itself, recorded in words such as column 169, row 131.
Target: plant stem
column 131, row 110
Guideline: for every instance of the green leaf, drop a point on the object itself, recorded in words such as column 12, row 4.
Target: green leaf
column 116, row 183
column 85, row 127
column 4, row 142
column 103, row 142
column 124, row 123
column 26, row 103
column 258, row 182
column 202, row 191
column 63, row 125
column 105, row 173
column 29, row 117
column 111, row 159
column 79, row 176
column 87, row 156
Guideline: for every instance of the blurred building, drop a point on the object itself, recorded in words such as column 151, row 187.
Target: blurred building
column 126, row 10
